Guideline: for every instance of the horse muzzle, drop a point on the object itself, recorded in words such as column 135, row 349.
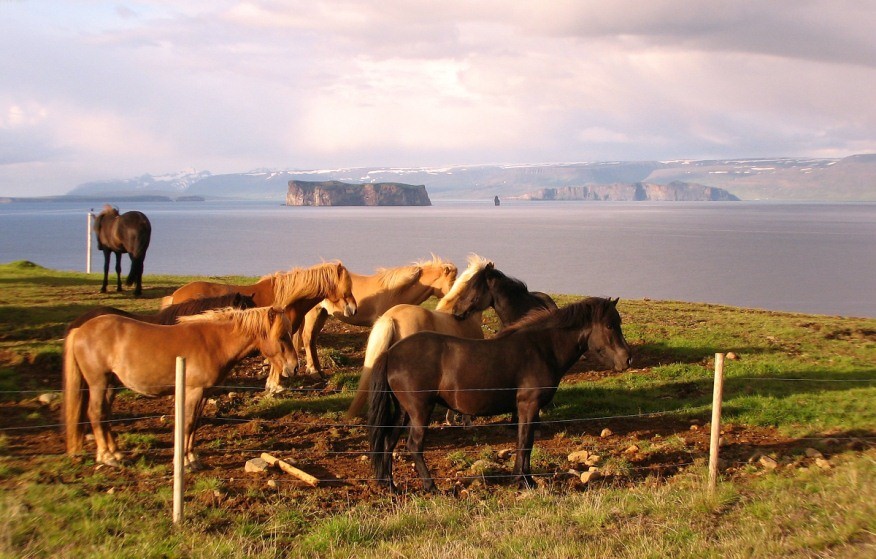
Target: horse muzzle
column 350, row 309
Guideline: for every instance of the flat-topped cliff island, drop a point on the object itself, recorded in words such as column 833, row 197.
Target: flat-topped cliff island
column 336, row 193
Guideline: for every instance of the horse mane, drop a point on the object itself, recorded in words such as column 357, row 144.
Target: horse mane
column 591, row 309
column 396, row 278
column 255, row 322
column 169, row 315
column 313, row 282
column 475, row 264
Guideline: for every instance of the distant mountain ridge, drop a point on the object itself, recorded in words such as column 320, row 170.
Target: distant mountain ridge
column 849, row 179
column 676, row 191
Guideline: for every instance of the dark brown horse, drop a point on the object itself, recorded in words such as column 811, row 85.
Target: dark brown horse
column 519, row 369
column 126, row 233
column 509, row 297
column 168, row 315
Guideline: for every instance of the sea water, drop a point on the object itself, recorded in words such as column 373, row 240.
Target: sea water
column 803, row 257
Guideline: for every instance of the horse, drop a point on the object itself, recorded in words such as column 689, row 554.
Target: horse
column 169, row 315
column 509, row 297
column 296, row 292
column 375, row 294
column 403, row 320
column 519, row 369
column 129, row 233
column 142, row 356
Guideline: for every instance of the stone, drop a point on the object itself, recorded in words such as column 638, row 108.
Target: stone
column 632, row 449
column 578, row 457
column 256, row 465
column 823, row 464
column 768, row 463
column 48, row 398
column 606, row 433
column 505, row 453
column 813, row 453
column 589, row 476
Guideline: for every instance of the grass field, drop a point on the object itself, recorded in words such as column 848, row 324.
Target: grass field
column 802, row 393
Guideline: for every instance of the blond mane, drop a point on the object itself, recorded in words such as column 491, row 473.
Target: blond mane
column 307, row 283
column 397, row 278
column 475, row 264
column 254, row 322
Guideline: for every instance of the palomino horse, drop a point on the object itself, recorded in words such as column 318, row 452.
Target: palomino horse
column 403, row 320
column 142, row 356
column 520, row 369
column 129, row 232
column 169, row 315
column 295, row 292
column 377, row 293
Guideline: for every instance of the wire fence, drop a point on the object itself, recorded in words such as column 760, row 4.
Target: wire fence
column 461, row 476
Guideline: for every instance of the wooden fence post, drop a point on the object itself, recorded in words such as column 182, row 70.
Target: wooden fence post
column 179, row 440
column 717, row 397
column 88, row 243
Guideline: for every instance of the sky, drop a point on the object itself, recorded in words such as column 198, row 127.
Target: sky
column 95, row 90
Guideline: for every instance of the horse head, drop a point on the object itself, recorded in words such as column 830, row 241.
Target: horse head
column 438, row 276
column 342, row 298
column 475, row 295
column 277, row 346
column 605, row 337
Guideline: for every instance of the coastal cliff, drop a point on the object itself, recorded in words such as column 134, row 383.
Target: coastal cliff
column 675, row 191
column 336, row 193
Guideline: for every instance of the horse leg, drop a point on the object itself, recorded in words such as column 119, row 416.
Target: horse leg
column 416, row 441
column 118, row 271
column 313, row 323
column 194, row 406
column 137, row 268
column 106, row 264
column 97, row 411
column 527, row 417
column 272, row 383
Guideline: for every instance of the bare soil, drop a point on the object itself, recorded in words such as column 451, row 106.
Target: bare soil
column 333, row 449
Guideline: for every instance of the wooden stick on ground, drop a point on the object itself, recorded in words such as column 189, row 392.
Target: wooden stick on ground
column 290, row 469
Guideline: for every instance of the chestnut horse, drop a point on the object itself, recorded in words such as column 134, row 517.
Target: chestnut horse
column 403, row 320
column 518, row 370
column 295, row 292
column 169, row 315
column 375, row 294
column 118, row 234
column 143, row 357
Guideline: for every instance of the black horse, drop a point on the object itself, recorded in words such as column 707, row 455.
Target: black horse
column 519, row 369
column 509, row 297
column 126, row 233
column 168, row 315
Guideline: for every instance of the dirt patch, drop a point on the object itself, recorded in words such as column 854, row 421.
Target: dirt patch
column 240, row 422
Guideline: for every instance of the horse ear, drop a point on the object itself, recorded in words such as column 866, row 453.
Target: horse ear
column 489, row 266
column 614, row 301
column 447, row 270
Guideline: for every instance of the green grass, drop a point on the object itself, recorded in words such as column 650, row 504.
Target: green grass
column 59, row 507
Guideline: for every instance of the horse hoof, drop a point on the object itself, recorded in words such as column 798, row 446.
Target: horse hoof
column 112, row 462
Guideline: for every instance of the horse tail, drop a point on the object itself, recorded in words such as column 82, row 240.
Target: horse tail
column 383, row 415
column 74, row 401
column 381, row 337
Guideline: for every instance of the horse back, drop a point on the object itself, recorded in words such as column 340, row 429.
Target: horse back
column 411, row 319
column 470, row 376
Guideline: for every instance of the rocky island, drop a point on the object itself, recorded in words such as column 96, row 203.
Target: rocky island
column 336, row 193
column 675, row 191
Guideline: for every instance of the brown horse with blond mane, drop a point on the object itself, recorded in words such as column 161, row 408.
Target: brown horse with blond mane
column 143, row 357
column 375, row 294
column 296, row 292
column 403, row 320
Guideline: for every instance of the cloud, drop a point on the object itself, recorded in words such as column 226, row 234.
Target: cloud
column 96, row 91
